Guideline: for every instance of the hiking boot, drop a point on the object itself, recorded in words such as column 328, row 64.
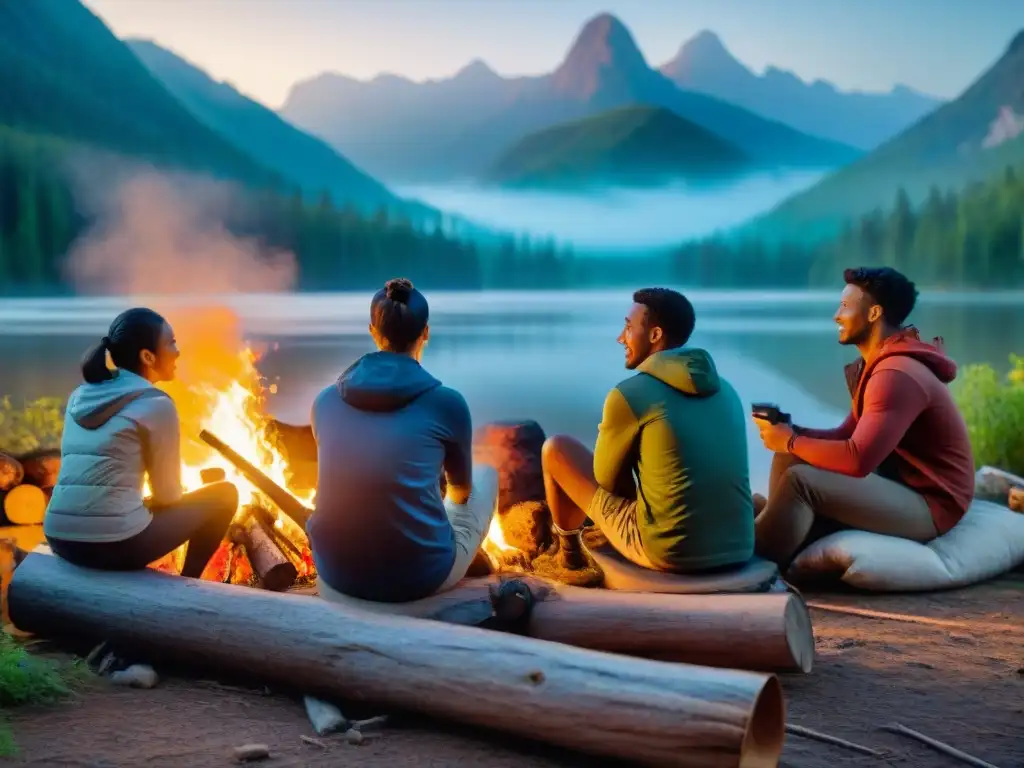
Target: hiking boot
column 570, row 551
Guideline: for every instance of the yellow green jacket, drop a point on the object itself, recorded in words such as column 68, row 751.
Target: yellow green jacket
column 678, row 431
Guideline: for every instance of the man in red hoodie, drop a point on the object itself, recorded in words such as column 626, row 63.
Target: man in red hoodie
column 901, row 463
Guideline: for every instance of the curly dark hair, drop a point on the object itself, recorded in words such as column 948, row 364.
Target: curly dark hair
column 669, row 310
column 891, row 290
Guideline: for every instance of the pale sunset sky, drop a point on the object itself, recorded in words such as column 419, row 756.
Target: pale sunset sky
column 263, row 47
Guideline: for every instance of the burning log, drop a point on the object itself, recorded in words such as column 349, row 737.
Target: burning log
column 25, row 505
column 763, row 632
column 648, row 712
column 276, row 572
column 291, row 506
column 11, row 472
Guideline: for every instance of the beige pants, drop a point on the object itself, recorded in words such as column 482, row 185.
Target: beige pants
column 470, row 523
column 805, row 502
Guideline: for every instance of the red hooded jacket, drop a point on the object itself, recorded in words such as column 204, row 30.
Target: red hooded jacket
column 902, row 414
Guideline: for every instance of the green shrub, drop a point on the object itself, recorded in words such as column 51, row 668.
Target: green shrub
column 28, row 680
column 34, row 425
column 993, row 408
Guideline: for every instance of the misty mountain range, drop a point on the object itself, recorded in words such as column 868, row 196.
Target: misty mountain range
column 454, row 128
column 862, row 120
column 590, row 115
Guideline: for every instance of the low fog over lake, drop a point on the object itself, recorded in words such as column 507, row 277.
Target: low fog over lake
column 617, row 218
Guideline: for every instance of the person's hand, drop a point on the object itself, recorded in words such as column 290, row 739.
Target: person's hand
column 1017, row 499
column 775, row 437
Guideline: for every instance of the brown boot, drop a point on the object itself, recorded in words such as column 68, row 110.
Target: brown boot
column 570, row 549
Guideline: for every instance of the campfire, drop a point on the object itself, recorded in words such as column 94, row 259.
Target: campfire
column 265, row 547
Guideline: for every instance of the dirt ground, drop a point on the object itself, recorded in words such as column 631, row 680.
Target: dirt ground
column 963, row 687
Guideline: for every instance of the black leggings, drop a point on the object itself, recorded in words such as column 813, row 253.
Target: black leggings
column 200, row 518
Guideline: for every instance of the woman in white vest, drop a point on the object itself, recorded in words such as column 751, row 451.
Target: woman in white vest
column 119, row 429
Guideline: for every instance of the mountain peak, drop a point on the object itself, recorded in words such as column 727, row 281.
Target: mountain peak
column 604, row 46
column 477, row 69
column 705, row 43
column 704, row 55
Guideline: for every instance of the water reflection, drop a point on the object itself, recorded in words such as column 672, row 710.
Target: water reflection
column 548, row 356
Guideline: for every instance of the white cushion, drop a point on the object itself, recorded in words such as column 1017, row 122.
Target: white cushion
column 988, row 541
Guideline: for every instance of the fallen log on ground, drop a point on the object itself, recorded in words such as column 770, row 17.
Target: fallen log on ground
column 765, row 632
column 25, row 505
column 646, row 712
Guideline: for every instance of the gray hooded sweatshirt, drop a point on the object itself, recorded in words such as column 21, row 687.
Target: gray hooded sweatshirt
column 115, row 433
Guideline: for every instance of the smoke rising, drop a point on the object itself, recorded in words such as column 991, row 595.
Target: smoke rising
column 161, row 235
column 161, row 240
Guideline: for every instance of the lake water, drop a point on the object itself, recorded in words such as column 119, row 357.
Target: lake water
column 546, row 356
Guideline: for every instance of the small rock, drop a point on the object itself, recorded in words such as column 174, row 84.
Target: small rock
column 249, row 752
column 352, row 736
column 919, row 665
column 1020, row 671
column 326, row 718
column 136, row 676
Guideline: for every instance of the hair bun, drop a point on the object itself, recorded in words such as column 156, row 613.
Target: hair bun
column 399, row 289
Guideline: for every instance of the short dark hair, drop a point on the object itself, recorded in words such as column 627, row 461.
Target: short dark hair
column 891, row 290
column 669, row 310
column 399, row 313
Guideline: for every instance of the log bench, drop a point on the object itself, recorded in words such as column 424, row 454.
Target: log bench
column 647, row 712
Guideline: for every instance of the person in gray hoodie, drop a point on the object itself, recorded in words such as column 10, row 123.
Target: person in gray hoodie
column 119, row 429
column 388, row 434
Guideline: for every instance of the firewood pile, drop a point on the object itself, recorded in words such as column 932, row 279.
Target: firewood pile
column 26, row 483
column 257, row 552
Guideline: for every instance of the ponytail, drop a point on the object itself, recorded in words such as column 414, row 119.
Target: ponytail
column 132, row 331
column 94, row 364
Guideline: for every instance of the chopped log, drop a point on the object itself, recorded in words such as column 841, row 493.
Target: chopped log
column 514, row 448
column 653, row 713
column 25, row 505
column 286, row 545
column 41, row 467
column 212, row 475
column 764, row 632
column 291, row 506
column 276, row 572
column 11, row 472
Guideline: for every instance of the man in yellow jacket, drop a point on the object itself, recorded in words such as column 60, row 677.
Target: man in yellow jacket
column 668, row 482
